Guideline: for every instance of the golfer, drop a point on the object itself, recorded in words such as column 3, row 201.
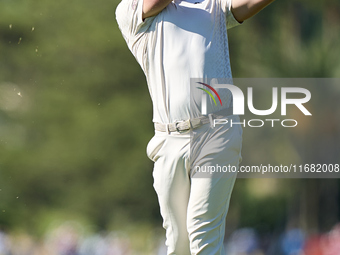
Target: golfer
column 175, row 42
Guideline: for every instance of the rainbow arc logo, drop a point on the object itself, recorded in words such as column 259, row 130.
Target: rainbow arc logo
column 209, row 93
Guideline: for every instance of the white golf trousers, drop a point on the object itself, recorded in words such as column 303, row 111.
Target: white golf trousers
column 194, row 205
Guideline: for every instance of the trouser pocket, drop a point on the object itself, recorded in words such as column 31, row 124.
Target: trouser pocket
column 154, row 146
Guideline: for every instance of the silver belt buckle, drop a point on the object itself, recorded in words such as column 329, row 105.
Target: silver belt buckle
column 176, row 124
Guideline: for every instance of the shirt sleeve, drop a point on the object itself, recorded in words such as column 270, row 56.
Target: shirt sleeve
column 231, row 21
column 129, row 18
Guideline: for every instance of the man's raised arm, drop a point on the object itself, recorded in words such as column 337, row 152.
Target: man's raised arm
column 153, row 7
column 244, row 9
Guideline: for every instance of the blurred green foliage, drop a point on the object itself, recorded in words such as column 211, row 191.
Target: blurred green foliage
column 69, row 89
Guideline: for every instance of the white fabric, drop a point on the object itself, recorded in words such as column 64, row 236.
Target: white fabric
column 186, row 40
column 193, row 207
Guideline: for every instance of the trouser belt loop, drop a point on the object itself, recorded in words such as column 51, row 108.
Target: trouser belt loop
column 167, row 128
column 210, row 115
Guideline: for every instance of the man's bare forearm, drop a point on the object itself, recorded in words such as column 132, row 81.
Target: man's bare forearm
column 244, row 9
column 153, row 7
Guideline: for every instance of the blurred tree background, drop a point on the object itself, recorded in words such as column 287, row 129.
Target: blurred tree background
column 70, row 88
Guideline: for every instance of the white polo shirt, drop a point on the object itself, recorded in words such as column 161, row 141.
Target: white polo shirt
column 188, row 39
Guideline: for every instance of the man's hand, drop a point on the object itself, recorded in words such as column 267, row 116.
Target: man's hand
column 244, row 9
column 153, row 7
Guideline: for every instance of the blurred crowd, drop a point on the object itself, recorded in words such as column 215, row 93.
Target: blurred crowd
column 66, row 239
column 292, row 242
